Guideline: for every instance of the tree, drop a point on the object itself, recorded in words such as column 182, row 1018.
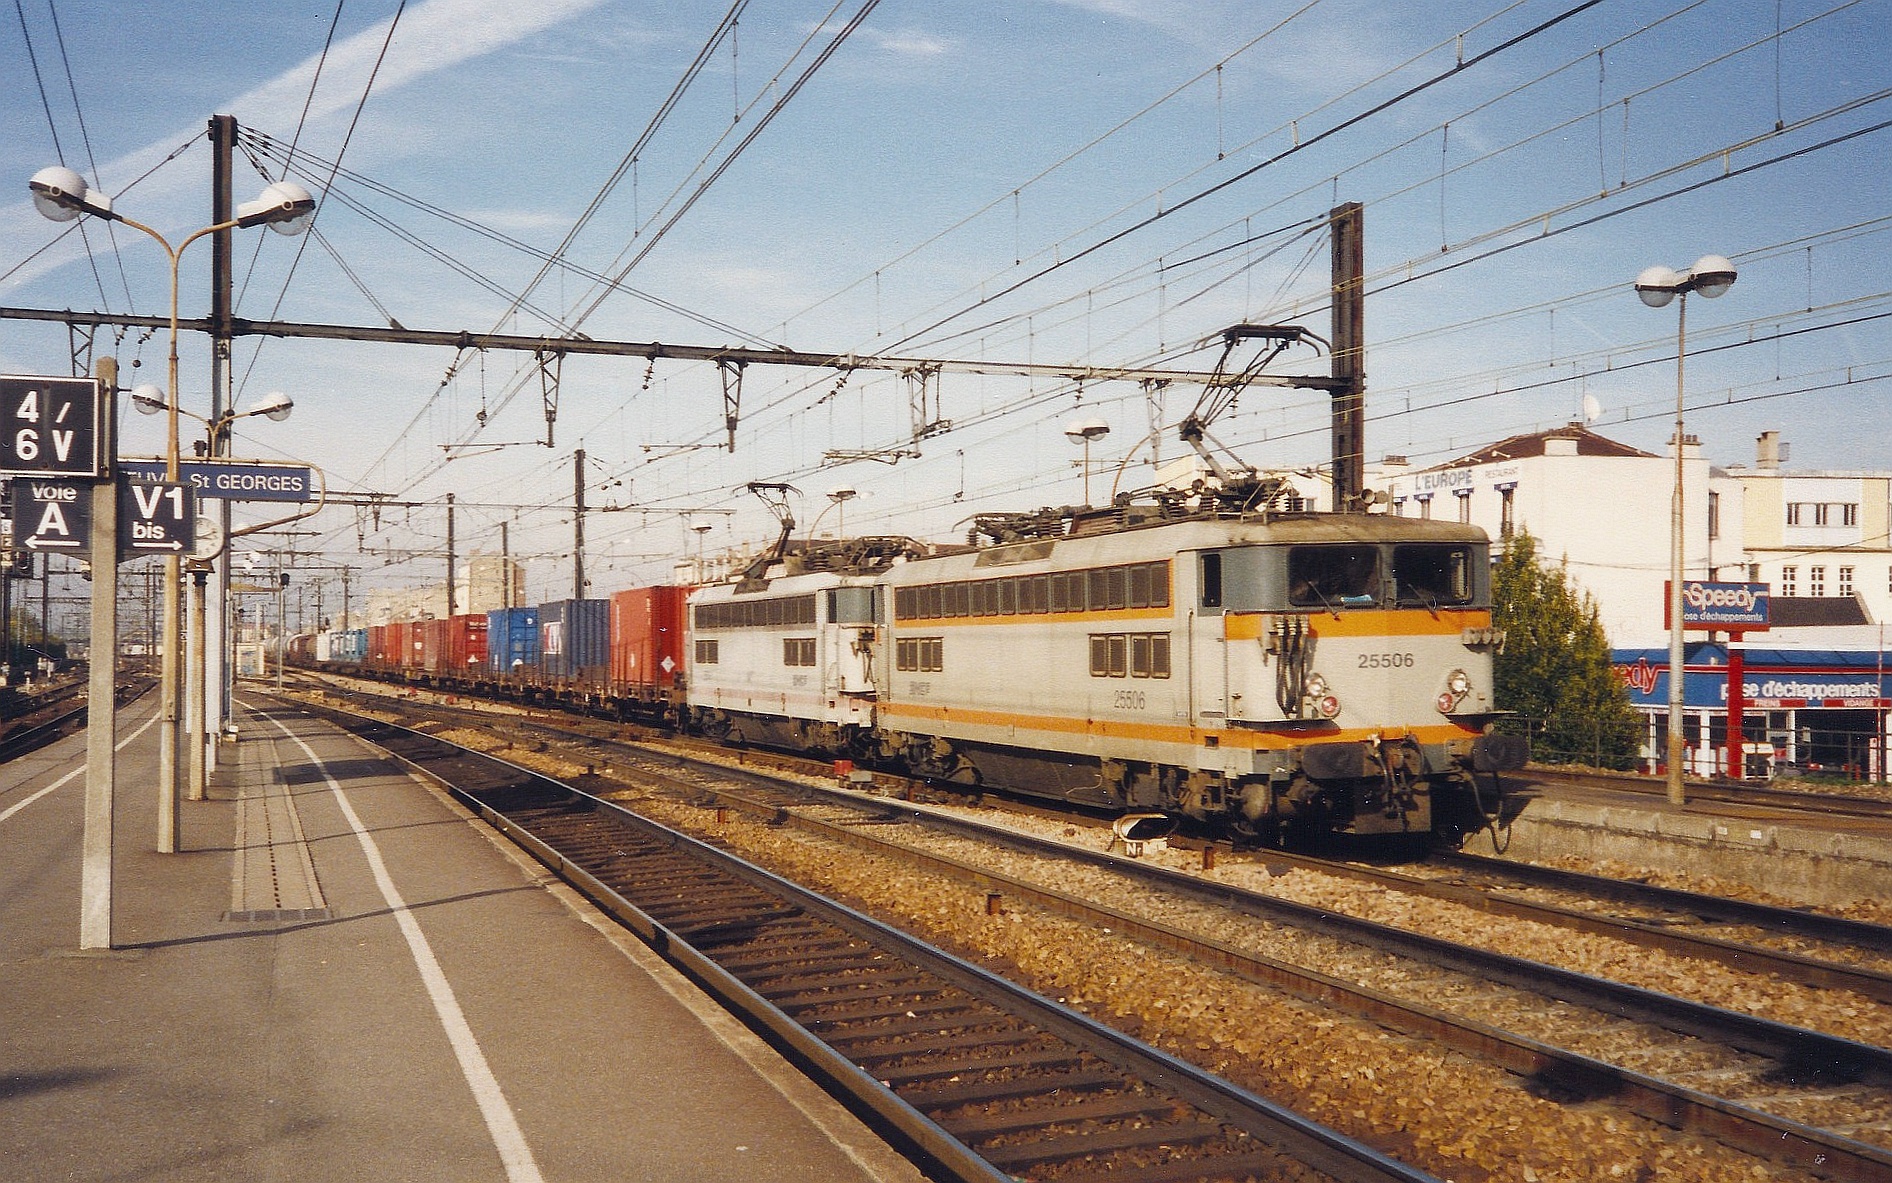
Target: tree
column 1555, row 669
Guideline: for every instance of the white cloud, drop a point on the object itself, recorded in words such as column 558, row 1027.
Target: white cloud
column 910, row 43
column 433, row 37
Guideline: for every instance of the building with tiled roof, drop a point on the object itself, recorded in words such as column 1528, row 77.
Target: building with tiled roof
column 1599, row 507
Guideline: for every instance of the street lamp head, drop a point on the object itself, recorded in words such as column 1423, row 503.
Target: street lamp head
column 274, row 406
column 285, row 207
column 842, row 493
column 61, row 195
column 1711, row 276
column 1083, row 431
column 149, row 399
column 1658, row 285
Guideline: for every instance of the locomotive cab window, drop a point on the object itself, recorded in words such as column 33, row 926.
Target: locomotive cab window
column 851, row 605
column 1333, row 576
column 1431, row 575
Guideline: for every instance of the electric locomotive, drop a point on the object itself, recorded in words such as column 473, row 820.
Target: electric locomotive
column 1257, row 671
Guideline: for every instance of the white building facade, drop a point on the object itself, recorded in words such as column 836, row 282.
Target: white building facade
column 1813, row 692
column 1599, row 508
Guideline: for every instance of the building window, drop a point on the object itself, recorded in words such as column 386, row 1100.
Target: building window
column 798, row 651
column 1790, row 581
column 1816, row 581
column 1845, row 581
column 1507, row 524
column 1795, row 512
column 706, row 652
column 919, row 654
column 1849, row 514
column 1714, row 515
column 1464, row 505
column 1425, row 506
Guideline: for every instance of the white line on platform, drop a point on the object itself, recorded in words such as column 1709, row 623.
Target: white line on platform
column 501, row 1123
column 77, row 772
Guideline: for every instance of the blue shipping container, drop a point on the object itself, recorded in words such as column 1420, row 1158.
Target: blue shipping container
column 353, row 646
column 575, row 640
column 512, row 640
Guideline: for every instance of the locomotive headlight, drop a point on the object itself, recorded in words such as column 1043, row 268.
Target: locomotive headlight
column 1458, row 684
column 1319, row 697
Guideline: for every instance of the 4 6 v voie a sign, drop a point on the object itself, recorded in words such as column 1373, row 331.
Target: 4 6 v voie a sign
column 49, row 427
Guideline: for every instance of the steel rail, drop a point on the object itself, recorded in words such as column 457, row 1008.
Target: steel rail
column 1288, row 1132
column 1780, row 1139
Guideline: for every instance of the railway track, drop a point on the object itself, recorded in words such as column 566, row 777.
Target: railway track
column 1776, row 1067
column 1728, row 792
column 1786, row 1066
column 57, row 717
column 978, row 1078
column 1793, row 945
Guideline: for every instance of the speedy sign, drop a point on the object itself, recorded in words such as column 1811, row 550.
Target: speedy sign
column 50, row 427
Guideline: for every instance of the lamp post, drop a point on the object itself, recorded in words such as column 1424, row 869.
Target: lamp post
column 702, row 531
column 840, row 495
column 1083, row 431
column 1711, row 276
column 274, row 406
column 61, row 195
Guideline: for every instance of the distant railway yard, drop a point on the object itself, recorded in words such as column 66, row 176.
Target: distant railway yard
column 1468, row 1018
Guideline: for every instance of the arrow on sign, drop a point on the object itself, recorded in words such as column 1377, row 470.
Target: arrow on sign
column 155, row 516
column 52, row 515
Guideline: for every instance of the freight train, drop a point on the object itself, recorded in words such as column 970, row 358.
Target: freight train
column 1268, row 673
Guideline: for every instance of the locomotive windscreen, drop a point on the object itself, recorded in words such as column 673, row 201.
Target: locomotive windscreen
column 1433, row 574
column 1323, row 576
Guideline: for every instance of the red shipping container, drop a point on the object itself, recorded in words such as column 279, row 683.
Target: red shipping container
column 466, row 645
column 430, row 639
column 647, row 638
column 403, row 645
column 377, row 646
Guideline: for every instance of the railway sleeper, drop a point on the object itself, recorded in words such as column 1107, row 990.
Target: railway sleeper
column 1063, row 1148
column 950, row 1067
column 920, row 1028
column 1240, row 1165
column 986, row 1123
column 987, row 1091
column 934, row 1011
column 889, row 1048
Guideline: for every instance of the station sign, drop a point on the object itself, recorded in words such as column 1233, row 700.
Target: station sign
column 232, row 480
column 52, row 515
column 50, row 427
column 155, row 517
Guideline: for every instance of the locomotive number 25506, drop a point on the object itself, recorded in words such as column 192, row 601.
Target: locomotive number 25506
column 1385, row 661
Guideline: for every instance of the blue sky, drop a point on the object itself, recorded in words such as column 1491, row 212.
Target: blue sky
column 1143, row 174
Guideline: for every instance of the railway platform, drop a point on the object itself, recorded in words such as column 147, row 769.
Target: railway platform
column 341, row 976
